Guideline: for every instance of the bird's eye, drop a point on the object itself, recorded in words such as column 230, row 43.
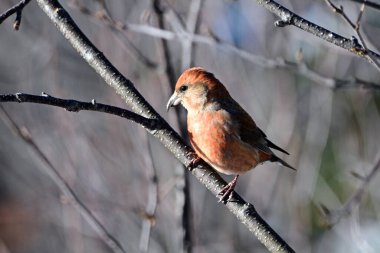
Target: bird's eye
column 182, row 88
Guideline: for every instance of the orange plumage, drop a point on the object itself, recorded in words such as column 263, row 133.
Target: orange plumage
column 221, row 132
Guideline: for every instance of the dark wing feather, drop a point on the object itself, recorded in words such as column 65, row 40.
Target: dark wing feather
column 253, row 135
column 250, row 133
column 272, row 145
column 282, row 162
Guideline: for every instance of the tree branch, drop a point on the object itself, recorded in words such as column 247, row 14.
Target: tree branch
column 152, row 202
column 356, row 27
column 244, row 211
column 86, row 213
column 76, row 106
column 18, row 8
column 192, row 23
column 334, row 216
column 288, row 17
column 104, row 15
column 182, row 188
column 368, row 3
column 298, row 67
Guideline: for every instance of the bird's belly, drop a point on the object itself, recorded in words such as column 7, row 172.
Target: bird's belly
column 223, row 151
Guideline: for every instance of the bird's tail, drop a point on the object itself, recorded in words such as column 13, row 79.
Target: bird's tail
column 280, row 161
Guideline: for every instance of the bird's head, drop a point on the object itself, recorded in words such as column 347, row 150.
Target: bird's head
column 195, row 89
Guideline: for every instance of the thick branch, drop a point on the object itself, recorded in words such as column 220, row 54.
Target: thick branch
column 288, row 17
column 244, row 211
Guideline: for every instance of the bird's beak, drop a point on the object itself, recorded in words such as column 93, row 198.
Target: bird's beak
column 173, row 101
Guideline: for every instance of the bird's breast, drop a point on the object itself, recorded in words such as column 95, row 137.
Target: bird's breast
column 215, row 138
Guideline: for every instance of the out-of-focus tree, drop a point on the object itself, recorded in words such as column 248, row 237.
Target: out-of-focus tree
column 316, row 99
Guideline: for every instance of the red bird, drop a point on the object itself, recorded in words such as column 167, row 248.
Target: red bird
column 221, row 132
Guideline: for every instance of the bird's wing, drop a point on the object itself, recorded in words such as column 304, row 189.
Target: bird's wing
column 254, row 136
column 250, row 133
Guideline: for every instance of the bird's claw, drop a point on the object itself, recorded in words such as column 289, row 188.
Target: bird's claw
column 227, row 191
column 192, row 164
column 225, row 194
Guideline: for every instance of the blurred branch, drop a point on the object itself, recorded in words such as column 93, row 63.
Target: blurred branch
column 288, row 17
column 170, row 73
column 76, row 106
column 334, row 216
column 244, row 211
column 49, row 169
column 356, row 27
column 18, row 8
column 298, row 67
column 355, row 83
column 150, row 210
column 104, row 15
column 368, row 3
column 182, row 187
column 191, row 26
column 302, row 68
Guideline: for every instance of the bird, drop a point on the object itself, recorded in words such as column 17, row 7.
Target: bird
column 220, row 131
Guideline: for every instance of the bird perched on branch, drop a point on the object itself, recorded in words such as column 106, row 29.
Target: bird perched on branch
column 221, row 132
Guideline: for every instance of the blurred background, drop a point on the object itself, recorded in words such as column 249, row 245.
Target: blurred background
column 283, row 77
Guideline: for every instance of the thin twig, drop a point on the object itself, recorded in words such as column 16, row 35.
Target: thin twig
column 18, row 8
column 362, row 49
column 104, row 15
column 375, row 61
column 288, row 17
column 244, row 211
column 76, row 106
column 368, row 3
column 52, row 171
column 334, row 216
column 213, row 41
column 341, row 12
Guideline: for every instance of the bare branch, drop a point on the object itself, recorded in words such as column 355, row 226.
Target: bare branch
column 334, row 216
column 288, row 17
column 244, row 211
column 356, row 27
column 368, row 3
column 76, row 106
column 297, row 67
column 191, row 27
column 49, row 169
column 183, row 200
column 340, row 11
column 104, row 15
column 150, row 210
column 18, row 8
column 170, row 73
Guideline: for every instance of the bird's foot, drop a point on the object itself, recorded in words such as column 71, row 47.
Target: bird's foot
column 193, row 162
column 226, row 193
